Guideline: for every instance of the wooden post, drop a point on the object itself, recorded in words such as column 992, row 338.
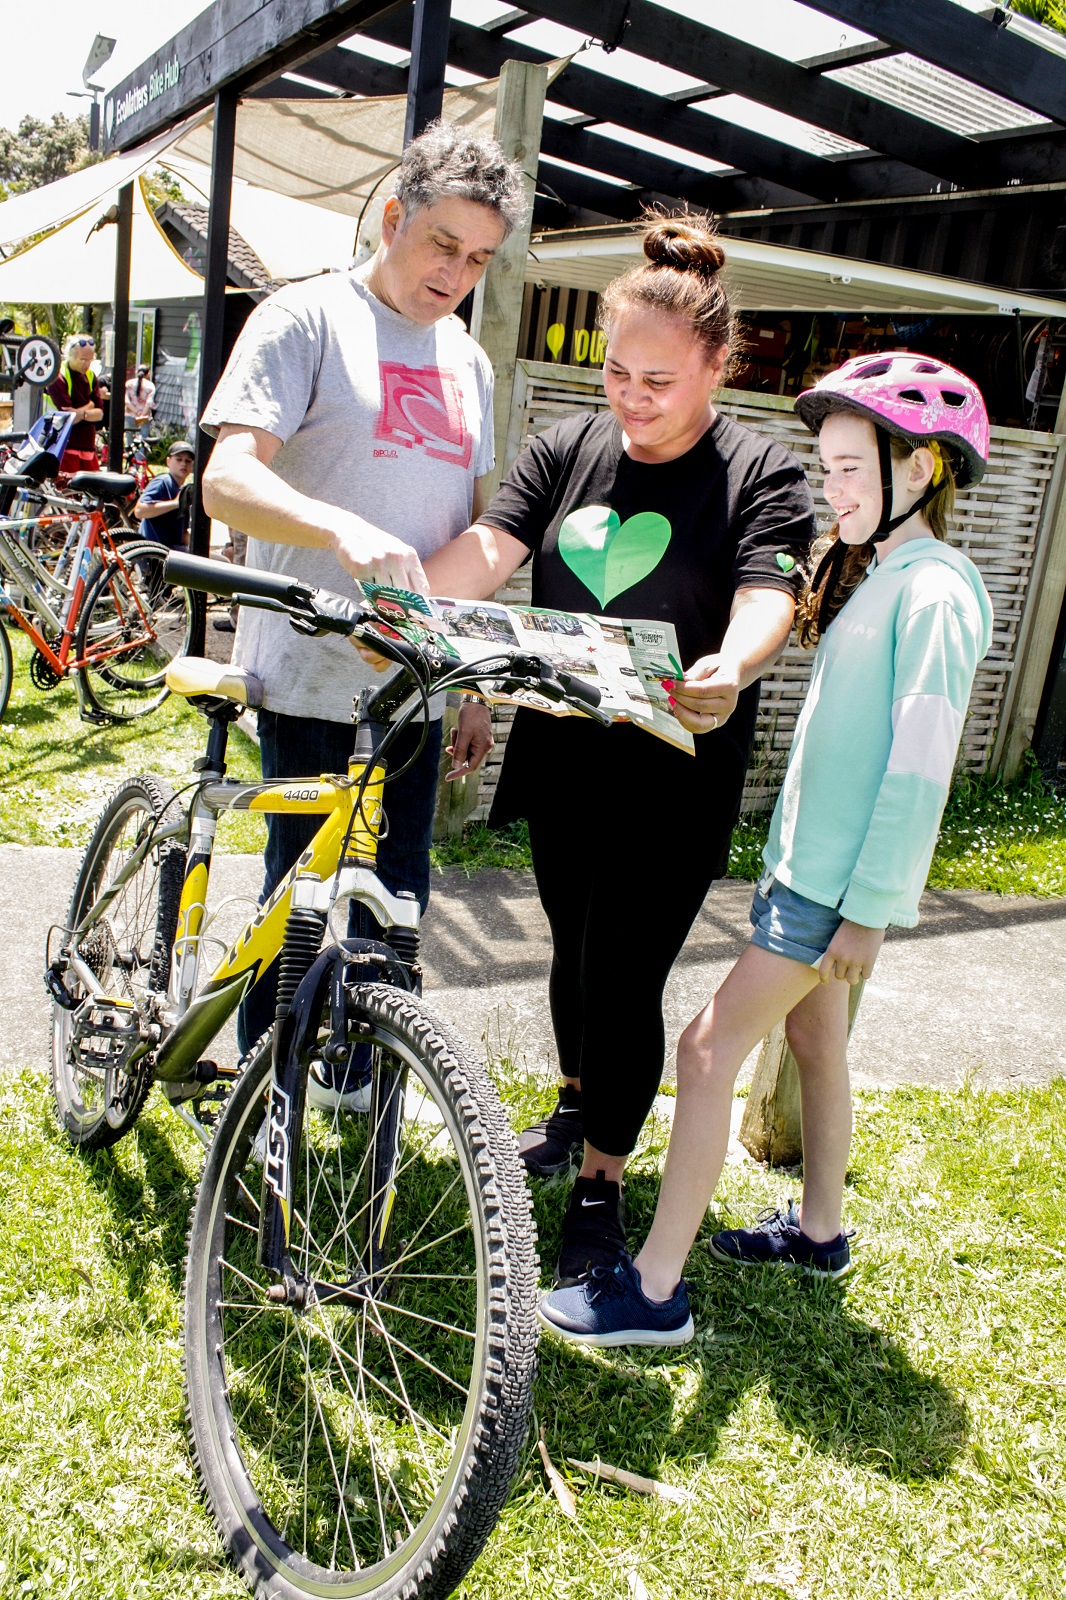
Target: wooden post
column 429, row 59
column 498, row 303
column 455, row 800
column 1047, row 586
column 116, row 414
column 771, row 1128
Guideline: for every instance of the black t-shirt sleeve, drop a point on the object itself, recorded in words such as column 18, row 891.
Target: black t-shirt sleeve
column 774, row 525
column 528, row 497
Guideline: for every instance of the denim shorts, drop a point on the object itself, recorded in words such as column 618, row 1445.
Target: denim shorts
column 788, row 924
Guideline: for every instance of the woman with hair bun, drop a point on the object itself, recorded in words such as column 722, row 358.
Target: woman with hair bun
column 628, row 833
column 901, row 620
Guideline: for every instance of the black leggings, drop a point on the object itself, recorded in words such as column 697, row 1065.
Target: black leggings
column 620, row 905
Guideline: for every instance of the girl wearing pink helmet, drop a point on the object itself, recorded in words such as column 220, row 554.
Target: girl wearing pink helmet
column 900, row 620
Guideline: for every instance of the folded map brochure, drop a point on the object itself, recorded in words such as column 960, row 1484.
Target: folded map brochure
column 626, row 660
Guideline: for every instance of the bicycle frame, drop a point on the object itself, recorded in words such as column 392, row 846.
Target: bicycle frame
column 24, row 571
column 188, row 1021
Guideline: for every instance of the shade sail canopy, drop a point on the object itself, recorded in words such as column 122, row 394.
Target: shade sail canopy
column 292, row 238
column 332, row 153
column 76, row 264
column 24, row 215
column 770, row 277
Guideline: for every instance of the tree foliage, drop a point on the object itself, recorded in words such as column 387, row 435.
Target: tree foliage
column 1052, row 13
column 40, row 152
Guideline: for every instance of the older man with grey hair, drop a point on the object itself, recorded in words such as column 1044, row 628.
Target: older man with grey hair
column 354, row 428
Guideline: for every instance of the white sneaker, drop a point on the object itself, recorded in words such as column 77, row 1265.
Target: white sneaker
column 324, row 1097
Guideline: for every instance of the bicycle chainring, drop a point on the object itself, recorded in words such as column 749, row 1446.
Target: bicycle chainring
column 42, row 673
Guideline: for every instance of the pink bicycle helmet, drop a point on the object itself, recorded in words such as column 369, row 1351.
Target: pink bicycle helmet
column 917, row 399
column 912, row 396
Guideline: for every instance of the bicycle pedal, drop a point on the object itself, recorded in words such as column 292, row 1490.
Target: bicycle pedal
column 98, row 719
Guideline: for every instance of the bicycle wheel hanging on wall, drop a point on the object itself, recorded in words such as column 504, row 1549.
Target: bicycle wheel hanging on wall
column 97, row 1098
column 133, row 625
column 363, row 1444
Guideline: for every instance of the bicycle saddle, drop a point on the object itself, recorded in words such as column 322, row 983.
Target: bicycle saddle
column 193, row 675
column 111, row 486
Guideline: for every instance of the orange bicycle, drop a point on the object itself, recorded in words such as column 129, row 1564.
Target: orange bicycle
column 109, row 620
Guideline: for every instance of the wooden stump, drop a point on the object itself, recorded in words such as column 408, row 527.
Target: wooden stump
column 455, row 800
column 771, row 1129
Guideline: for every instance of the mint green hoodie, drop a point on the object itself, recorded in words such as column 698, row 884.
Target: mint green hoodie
column 874, row 749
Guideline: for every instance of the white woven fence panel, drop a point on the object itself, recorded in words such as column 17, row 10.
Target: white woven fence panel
column 997, row 524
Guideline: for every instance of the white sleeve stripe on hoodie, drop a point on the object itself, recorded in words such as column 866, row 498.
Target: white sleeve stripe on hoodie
column 926, row 729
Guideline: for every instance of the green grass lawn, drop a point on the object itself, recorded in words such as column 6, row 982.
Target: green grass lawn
column 900, row 1435
column 56, row 772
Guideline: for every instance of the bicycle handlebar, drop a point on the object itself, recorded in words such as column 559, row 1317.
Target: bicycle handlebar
column 314, row 611
column 223, row 578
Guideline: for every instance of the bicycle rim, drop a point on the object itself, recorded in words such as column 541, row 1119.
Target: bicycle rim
column 133, row 626
column 128, row 951
column 363, row 1448
column 7, row 669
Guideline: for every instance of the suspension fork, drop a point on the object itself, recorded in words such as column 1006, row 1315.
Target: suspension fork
column 296, row 1030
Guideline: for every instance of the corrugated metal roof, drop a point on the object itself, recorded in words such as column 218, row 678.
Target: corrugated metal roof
column 914, row 85
column 771, row 277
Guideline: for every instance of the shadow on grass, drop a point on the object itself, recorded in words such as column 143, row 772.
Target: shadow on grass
column 834, row 1381
column 150, row 1195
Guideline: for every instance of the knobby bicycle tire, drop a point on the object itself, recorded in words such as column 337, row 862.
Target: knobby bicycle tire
column 128, row 598
column 7, row 669
column 365, row 1448
column 128, row 951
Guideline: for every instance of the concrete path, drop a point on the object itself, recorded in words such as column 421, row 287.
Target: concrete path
column 978, row 988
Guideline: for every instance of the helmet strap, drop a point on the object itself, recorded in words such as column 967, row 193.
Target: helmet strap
column 888, row 523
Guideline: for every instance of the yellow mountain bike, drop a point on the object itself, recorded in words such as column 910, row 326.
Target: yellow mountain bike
column 360, row 1289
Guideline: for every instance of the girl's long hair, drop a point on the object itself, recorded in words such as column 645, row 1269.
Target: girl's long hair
column 816, row 609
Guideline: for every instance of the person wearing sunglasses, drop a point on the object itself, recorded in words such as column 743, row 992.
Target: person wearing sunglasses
column 76, row 388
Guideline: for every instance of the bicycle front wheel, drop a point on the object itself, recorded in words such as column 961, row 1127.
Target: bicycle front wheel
column 132, row 627
column 7, row 669
column 363, row 1444
column 127, row 950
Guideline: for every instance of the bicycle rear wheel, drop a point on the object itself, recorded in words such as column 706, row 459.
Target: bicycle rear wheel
column 7, row 669
column 128, row 951
column 132, row 627
column 364, row 1444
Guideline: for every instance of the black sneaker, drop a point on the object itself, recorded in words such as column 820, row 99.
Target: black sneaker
column 594, row 1230
column 549, row 1146
column 778, row 1240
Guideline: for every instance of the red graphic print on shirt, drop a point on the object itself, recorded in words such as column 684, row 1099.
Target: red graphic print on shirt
column 422, row 407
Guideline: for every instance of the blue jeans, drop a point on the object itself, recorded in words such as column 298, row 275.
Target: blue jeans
column 305, row 747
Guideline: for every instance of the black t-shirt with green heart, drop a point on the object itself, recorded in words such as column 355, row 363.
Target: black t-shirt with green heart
column 672, row 541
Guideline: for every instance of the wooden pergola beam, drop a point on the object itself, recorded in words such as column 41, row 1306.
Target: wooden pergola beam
column 593, row 94
column 977, row 48
column 741, row 68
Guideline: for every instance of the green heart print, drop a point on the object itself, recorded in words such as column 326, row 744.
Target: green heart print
column 610, row 556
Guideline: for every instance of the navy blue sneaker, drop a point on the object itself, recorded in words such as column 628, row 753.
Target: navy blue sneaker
column 778, row 1240
column 611, row 1308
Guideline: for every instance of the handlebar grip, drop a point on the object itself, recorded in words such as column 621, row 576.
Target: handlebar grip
column 578, row 689
column 224, row 578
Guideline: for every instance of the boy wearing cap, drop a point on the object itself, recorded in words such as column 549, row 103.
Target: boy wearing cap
column 160, row 508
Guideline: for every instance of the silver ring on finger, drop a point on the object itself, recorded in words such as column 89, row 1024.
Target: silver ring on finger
column 714, row 722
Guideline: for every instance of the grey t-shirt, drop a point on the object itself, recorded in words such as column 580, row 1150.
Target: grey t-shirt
column 378, row 415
